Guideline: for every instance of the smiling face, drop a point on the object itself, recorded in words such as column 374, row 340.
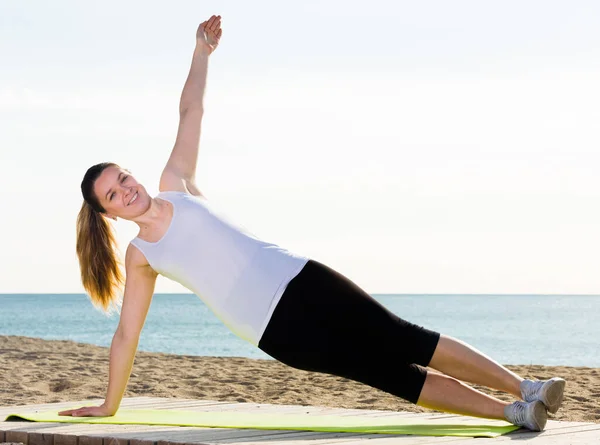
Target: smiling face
column 120, row 194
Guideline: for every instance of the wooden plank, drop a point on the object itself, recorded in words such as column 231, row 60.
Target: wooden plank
column 233, row 407
column 356, row 439
column 90, row 440
column 196, row 406
column 296, row 440
column 269, row 409
column 110, row 434
column 40, row 439
column 129, row 402
column 65, row 439
column 384, row 414
column 14, row 426
column 141, row 442
column 275, row 436
column 223, row 435
column 8, row 427
column 300, row 409
column 531, row 437
column 312, row 411
column 556, row 425
column 16, row 436
column 3, row 407
column 128, row 431
column 5, row 410
column 301, row 437
column 581, row 438
column 385, row 439
column 564, row 432
column 291, row 409
column 259, row 436
column 158, row 404
column 382, row 438
column 101, row 431
column 193, row 404
column 114, row 441
column 168, row 433
column 189, row 434
column 558, row 436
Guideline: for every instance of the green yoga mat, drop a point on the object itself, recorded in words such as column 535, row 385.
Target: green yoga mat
column 325, row 423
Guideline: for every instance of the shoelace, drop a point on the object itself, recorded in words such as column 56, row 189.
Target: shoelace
column 517, row 414
column 531, row 390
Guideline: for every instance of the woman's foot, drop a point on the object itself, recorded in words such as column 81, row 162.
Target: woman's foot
column 549, row 392
column 531, row 415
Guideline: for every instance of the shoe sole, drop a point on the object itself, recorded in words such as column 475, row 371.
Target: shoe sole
column 552, row 395
column 540, row 416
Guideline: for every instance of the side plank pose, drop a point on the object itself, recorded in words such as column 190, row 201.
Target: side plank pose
column 295, row 309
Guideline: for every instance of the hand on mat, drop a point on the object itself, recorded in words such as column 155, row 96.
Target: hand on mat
column 88, row 411
column 209, row 33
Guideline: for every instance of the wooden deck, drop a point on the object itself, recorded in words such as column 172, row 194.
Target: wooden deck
column 38, row 433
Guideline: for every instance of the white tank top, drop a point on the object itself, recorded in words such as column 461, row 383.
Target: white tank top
column 238, row 276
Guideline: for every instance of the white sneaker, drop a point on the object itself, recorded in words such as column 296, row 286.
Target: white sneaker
column 531, row 415
column 549, row 392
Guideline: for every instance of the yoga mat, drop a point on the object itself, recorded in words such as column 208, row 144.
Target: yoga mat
column 325, row 423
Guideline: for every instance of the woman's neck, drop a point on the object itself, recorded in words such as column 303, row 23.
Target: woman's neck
column 153, row 218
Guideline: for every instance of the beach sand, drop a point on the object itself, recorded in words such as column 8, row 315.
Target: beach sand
column 45, row 371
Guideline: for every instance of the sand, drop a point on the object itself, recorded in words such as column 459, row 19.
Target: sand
column 46, row 371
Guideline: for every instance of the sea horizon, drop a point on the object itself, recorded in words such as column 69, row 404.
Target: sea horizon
column 516, row 329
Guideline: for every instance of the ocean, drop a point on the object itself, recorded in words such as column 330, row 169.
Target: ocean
column 512, row 329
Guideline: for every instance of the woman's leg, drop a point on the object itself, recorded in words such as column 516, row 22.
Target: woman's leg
column 326, row 323
column 444, row 393
column 457, row 359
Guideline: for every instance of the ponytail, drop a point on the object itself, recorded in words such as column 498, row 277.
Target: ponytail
column 101, row 273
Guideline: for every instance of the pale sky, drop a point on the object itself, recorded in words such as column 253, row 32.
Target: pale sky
column 416, row 147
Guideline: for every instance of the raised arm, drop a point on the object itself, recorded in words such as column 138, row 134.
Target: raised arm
column 139, row 288
column 180, row 172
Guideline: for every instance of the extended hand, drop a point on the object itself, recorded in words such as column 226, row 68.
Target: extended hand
column 88, row 411
column 209, row 33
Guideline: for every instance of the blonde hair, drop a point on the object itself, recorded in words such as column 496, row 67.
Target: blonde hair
column 97, row 250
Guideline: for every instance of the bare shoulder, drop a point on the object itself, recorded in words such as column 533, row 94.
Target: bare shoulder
column 171, row 181
column 136, row 262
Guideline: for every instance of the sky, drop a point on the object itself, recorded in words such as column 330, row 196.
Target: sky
column 415, row 147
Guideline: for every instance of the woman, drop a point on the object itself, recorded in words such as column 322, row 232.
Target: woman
column 297, row 310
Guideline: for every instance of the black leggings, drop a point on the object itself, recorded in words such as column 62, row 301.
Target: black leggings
column 326, row 323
